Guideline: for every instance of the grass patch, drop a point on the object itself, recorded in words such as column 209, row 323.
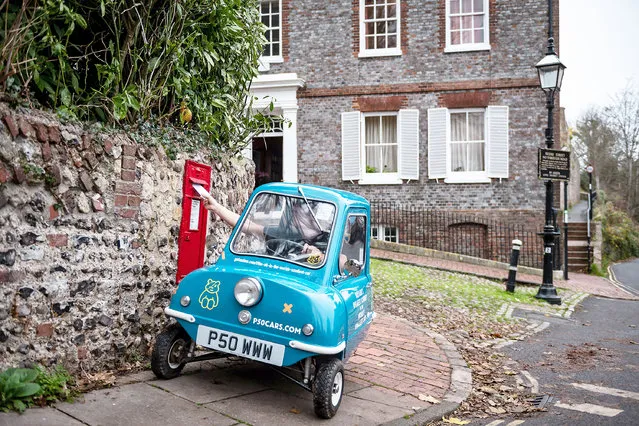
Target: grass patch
column 397, row 280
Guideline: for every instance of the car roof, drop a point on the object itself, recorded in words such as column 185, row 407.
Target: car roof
column 315, row 192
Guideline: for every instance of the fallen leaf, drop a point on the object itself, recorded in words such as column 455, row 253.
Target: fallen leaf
column 428, row 398
column 295, row 411
column 455, row 421
column 488, row 390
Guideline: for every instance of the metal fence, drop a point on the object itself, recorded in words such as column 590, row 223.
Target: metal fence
column 466, row 234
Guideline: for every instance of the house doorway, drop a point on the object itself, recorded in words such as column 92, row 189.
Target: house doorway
column 267, row 156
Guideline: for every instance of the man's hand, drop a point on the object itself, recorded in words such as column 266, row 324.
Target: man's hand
column 210, row 203
column 310, row 249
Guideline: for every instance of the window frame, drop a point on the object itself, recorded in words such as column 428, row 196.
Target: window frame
column 379, row 177
column 468, row 47
column 366, row 242
column 466, row 177
column 381, row 230
column 368, row 53
column 272, row 59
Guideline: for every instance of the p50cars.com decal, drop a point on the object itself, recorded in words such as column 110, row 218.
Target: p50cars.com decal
column 277, row 326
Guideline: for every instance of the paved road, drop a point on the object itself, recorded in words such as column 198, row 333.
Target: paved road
column 628, row 274
column 588, row 364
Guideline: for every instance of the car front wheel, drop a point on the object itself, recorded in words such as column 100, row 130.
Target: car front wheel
column 169, row 353
column 328, row 388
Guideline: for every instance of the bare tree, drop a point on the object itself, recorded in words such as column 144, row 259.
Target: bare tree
column 623, row 119
column 594, row 144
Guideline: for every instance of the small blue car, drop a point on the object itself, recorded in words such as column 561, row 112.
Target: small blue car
column 292, row 289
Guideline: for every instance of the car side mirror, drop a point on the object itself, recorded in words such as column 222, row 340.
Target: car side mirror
column 353, row 267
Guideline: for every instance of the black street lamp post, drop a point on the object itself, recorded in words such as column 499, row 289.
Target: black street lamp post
column 551, row 73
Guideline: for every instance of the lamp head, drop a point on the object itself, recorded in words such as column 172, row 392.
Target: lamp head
column 551, row 72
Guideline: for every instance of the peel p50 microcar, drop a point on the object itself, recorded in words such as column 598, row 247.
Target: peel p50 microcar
column 292, row 289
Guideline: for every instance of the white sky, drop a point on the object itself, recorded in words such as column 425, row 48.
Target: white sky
column 599, row 44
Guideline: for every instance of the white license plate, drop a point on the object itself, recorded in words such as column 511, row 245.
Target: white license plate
column 237, row 344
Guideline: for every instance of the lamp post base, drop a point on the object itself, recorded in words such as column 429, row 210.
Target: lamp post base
column 548, row 292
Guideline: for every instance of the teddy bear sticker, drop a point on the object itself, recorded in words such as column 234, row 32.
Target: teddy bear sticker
column 209, row 298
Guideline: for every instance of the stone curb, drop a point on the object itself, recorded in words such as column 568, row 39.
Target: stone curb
column 460, row 386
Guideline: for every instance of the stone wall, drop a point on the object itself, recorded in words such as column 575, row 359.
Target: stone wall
column 88, row 240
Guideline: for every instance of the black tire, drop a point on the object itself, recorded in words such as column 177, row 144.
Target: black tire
column 328, row 388
column 169, row 352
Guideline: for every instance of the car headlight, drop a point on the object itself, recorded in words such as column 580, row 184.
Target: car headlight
column 248, row 291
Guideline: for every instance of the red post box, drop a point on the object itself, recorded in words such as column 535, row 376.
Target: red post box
column 192, row 238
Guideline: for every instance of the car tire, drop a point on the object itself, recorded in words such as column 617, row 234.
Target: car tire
column 169, row 353
column 328, row 388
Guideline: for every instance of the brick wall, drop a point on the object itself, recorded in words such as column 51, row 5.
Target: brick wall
column 423, row 77
column 320, row 155
column 323, row 40
column 88, row 227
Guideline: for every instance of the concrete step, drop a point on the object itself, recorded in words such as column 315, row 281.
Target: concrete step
column 577, row 236
column 577, row 251
column 574, row 268
column 578, row 224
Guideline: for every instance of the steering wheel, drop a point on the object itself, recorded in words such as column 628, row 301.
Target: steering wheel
column 281, row 247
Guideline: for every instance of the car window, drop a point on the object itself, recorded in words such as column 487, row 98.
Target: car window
column 354, row 241
column 286, row 227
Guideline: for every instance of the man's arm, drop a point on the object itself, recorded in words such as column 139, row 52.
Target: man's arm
column 230, row 217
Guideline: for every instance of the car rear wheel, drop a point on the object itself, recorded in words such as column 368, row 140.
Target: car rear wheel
column 328, row 388
column 170, row 351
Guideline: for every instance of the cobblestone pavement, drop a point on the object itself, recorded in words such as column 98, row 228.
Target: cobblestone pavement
column 590, row 284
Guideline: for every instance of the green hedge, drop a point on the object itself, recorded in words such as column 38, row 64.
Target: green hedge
column 125, row 62
column 620, row 234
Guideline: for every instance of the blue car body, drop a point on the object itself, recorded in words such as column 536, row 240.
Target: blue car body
column 337, row 305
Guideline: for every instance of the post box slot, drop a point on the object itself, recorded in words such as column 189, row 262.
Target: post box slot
column 196, row 180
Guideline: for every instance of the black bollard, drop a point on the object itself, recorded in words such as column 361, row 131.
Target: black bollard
column 512, row 270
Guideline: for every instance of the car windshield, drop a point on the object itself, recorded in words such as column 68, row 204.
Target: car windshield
column 286, row 227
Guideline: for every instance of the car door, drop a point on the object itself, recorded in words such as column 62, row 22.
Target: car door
column 356, row 291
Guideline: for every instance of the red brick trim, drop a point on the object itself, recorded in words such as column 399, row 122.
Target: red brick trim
column 387, row 89
column 442, row 24
column 492, row 22
column 286, row 29
column 355, row 21
column 464, row 99
column 379, row 103
column 403, row 26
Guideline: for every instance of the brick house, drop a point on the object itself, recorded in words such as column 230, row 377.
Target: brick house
column 433, row 103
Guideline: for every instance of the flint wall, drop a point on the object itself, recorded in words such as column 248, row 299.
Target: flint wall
column 88, row 240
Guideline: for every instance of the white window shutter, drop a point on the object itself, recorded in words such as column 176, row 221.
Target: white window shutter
column 497, row 139
column 437, row 139
column 409, row 144
column 351, row 162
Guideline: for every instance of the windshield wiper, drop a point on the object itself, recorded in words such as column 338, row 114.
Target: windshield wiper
column 301, row 191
